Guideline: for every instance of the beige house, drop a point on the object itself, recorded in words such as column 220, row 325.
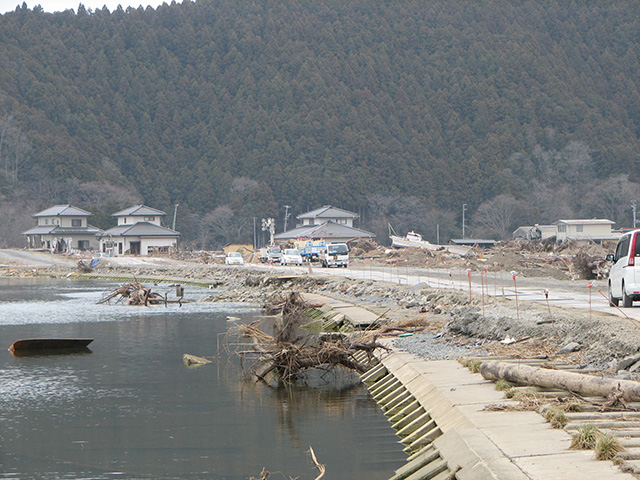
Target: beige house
column 596, row 230
column 62, row 228
column 139, row 232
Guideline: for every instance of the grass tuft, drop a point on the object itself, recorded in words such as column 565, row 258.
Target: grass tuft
column 555, row 417
column 585, row 438
column 607, row 447
column 502, row 385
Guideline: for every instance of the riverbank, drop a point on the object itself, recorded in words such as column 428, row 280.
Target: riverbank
column 495, row 324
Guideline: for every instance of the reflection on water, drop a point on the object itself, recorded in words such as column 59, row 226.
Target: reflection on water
column 132, row 409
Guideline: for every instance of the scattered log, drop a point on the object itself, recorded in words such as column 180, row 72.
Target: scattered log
column 574, row 382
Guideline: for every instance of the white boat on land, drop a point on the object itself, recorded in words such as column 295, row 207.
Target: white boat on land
column 413, row 239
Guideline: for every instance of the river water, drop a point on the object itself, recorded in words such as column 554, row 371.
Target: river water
column 130, row 408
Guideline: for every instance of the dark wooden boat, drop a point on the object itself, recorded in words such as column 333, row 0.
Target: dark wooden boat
column 31, row 344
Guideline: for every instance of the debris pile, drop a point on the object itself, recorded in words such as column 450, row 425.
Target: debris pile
column 134, row 293
column 290, row 353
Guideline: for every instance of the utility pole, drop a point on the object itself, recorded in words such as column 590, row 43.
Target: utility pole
column 254, row 233
column 286, row 216
column 438, row 234
column 633, row 208
column 175, row 212
column 464, row 209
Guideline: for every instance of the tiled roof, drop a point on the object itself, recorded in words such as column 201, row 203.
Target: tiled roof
column 62, row 231
column 328, row 211
column 592, row 221
column 63, row 211
column 139, row 210
column 326, row 230
column 140, row 229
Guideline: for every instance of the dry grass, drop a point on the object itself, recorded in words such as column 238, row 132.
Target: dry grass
column 472, row 364
column 585, row 438
column 556, row 417
column 607, row 447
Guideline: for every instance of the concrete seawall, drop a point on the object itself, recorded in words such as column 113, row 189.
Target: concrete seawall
column 438, row 410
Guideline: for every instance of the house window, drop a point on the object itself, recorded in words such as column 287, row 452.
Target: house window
column 76, row 222
column 46, row 221
column 342, row 221
column 579, row 228
column 562, row 228
column 149, row 219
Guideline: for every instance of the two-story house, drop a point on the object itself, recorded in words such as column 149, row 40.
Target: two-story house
column 62, row 228
column 327, row 223
column 139, row 232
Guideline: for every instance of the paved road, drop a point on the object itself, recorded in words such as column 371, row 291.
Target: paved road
column 24, row 258
column 561, row 293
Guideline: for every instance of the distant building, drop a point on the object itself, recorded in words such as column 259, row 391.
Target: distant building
column 328, row 223
column 327, row 214
column 139, row 232
column 535, row 232
column 596, row 230
column 62, row 228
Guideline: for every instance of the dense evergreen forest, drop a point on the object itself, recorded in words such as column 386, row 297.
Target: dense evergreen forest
column 402, row 111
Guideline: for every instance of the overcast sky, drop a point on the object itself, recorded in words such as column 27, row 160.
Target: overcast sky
column 60, row 5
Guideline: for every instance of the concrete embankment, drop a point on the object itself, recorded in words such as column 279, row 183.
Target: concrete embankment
column 438, row 410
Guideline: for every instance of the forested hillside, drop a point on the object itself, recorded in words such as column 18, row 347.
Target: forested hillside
column 402, row 111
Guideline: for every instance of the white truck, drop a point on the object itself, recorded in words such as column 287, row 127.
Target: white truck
column 335, row 255
column 270, row 254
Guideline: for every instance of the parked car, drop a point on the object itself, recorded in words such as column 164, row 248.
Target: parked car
column 624, row 276
column 291, row 256
column 234, row 258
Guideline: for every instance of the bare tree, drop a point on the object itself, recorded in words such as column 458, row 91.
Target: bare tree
column 496, row 217
column 612, row 199
column 223, row 226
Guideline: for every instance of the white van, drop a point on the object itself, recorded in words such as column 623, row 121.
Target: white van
column 624, row 276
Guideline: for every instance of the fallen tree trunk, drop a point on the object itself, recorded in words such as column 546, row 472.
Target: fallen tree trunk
column 574, row 382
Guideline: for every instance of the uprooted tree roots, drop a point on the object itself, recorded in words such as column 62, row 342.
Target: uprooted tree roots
column 289, row 353
column 134, row 293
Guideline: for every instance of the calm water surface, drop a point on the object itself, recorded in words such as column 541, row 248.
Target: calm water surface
column 131, row 409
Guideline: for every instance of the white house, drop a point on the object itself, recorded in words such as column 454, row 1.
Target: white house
column 596, row 229
column 139, row 232
column 62, row 228
column 327, row 223
column 327, row 214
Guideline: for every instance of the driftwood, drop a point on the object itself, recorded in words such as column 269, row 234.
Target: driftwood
column 288, row 353
column 582, row 384
column 134, row 293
